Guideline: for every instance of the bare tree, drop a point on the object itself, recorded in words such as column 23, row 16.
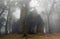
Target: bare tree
column 49, row 13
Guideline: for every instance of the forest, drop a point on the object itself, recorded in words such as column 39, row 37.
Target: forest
column 29, row 16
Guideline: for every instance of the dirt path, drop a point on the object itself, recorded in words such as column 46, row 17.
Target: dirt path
column 46, row 36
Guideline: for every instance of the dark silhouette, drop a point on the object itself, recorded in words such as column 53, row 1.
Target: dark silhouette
column 15, row 27
column 30, row 21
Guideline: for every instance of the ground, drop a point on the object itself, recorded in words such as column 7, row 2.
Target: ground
column 36, row 36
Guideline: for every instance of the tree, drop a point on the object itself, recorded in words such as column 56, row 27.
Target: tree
column 2, row 19
column 49, row 13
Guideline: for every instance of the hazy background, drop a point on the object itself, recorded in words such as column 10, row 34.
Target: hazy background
column 13, row 13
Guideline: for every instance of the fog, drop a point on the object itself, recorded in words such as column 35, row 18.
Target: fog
column 34, row 16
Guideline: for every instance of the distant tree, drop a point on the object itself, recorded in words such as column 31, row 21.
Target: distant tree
column 49, row 13
column 2, row 19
